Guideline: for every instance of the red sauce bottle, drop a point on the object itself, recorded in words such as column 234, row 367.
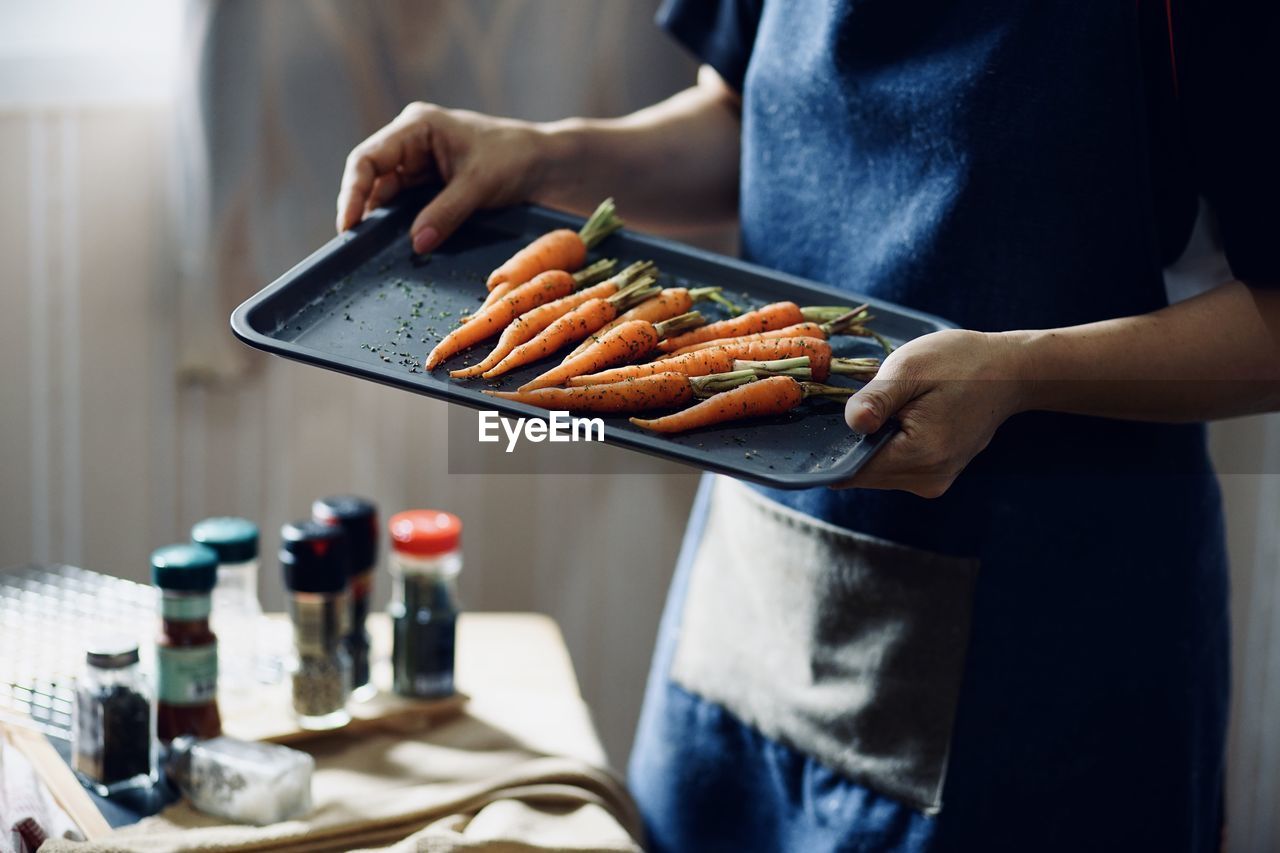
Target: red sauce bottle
column 186, row 650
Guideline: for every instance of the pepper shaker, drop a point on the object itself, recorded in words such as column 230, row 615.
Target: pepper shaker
column 113, row 743
column 314, row 559
column 358, row 519
column 425, row 561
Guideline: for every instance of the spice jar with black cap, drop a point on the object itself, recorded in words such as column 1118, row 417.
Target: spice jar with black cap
column 358, row 518
column 314, row 559
column 112, row 744
column 186, row 649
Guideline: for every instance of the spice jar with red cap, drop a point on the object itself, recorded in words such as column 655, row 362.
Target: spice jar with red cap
column 314, row 559
column 424, row 563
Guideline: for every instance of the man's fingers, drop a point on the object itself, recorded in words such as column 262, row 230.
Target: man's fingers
column 458, row 200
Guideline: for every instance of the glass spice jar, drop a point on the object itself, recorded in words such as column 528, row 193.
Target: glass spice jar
column 237, row 614
column 186, row 649
column 425, row 561
column 314, row 559
column 112, row 745
column 358, row 519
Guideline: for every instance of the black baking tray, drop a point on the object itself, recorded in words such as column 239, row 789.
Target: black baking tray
column 364, row 305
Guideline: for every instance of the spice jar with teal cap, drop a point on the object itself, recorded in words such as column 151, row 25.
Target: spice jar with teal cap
column 186, row 649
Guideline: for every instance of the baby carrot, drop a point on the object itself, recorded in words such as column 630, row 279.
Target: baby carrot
column 659, row 391
column 561, row 249
column 573, row 326
column 774, row 395
column 488, row 322
column 775, row 316
column 671, row 302
column 530, row 323
column 849, row 323
column 628, row 342
column 717, row 359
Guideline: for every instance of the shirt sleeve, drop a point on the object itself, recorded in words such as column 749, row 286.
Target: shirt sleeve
column 1228, row 85
column 721, row 33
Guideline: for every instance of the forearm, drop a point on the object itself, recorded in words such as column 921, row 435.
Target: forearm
column 669, row 165
column 1214, row 356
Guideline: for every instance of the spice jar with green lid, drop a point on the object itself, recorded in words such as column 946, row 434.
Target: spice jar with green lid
column 237, row 615
column 186, row 649
column 314, row 559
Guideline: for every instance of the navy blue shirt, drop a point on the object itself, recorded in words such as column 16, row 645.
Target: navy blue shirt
column 1017, row 164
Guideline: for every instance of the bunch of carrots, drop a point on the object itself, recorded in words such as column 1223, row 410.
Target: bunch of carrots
column 640, row 347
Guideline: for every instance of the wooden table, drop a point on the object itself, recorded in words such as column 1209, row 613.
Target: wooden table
column 498, row 655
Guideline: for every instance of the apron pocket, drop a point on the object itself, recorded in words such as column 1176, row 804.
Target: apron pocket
column 842, row 646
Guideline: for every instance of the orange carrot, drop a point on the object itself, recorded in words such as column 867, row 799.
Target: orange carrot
column 488, row 322
column 660, row 391
column 721, row 358
column 774, row 395
column 499, row 290
column 849, row 322
column 573, row 326
column 561, row 249
column 799, row 330
column 671, row 302
column 530, row 323
column 775, row 316
column 628, row 342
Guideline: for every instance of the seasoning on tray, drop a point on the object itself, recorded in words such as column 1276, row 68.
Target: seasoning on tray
column 314, row 559
column 186, row 650
column 358, row 519
column 237, row 615
column 425, row 562
column 241, row 781
column 112, row 746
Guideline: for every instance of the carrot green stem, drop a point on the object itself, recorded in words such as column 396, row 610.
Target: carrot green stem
column 826, row 313
column 679, row 325
column 880, row 339
column 705, row 386
column 634, row 293
column 863, row 368
column 797, row 367
column 715, row 294
column 601, row 224
column 849, row 319
column 814, row 389
column 594, row 273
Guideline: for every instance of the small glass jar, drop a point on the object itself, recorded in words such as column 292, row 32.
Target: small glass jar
column 237, row 614
column 358, row 519
column 425, row 562
column 186, row 649
column 314, row 559
column 112, row 746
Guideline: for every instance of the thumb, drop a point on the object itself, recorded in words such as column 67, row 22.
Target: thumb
column 876, row 402
column 442, row 216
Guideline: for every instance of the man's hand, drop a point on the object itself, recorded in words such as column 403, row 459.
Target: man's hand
column 484, row 162
column 949, row 391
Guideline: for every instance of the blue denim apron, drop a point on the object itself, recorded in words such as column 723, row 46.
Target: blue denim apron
column 988, row 163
